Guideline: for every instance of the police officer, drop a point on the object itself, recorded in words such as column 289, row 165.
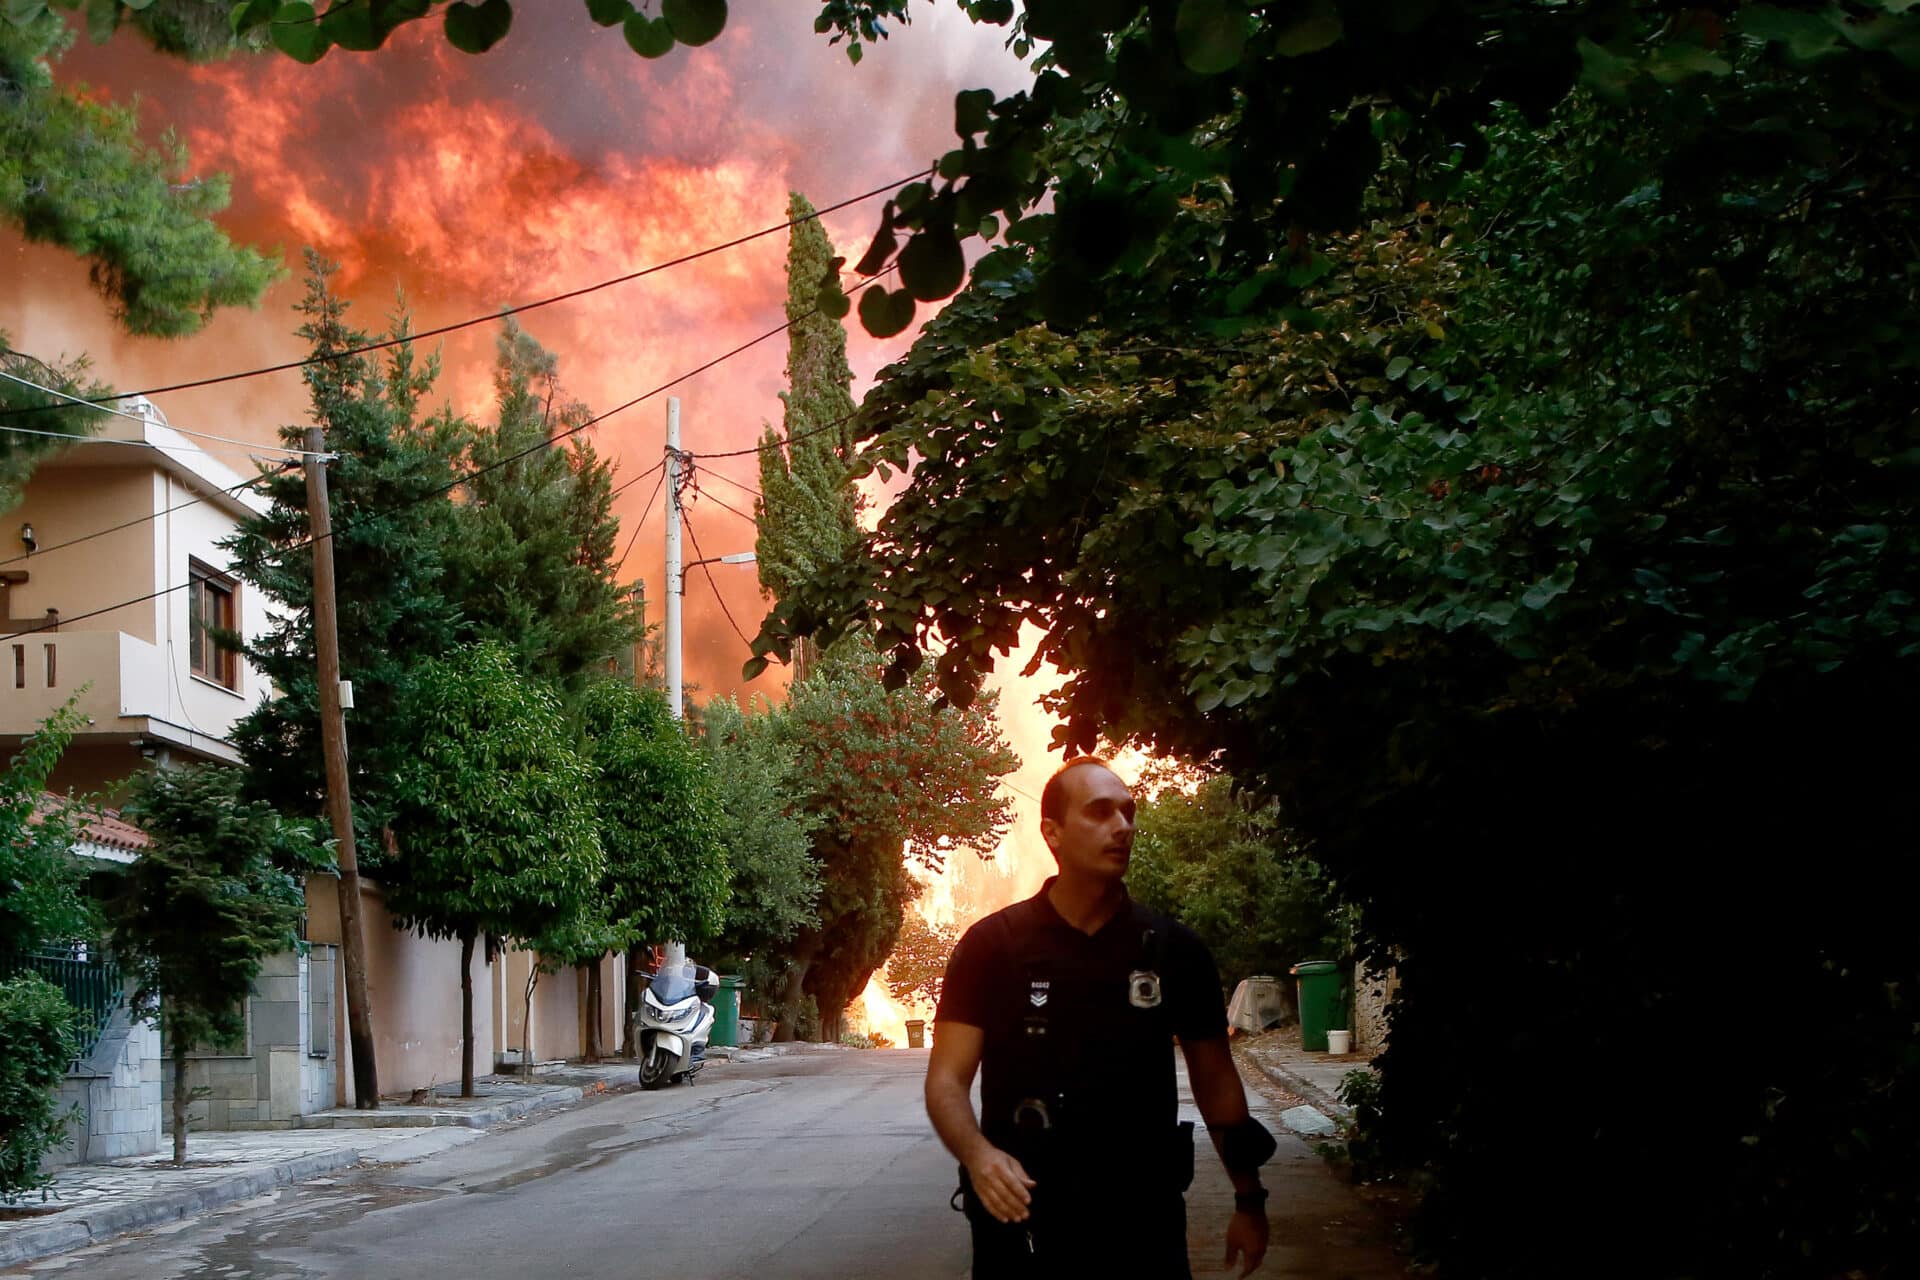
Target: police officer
column 1068, row 1004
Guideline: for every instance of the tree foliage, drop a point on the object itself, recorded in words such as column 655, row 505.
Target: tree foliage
column 1226, row 866
column 42, row 885
column 75, row 173
column 37, row 1025
column 211, row 896
column 42, row 902
column 917, row 966
column 495, row 804
column 659, row 812
column 531, row 561
column 889, row 774
column 807, row 514
column 766, row 832
column 1550, row 561
column 392, row 528
column 494, row 817
column 33, row 410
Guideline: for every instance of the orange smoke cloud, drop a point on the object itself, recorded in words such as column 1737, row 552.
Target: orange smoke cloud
column 559, row 159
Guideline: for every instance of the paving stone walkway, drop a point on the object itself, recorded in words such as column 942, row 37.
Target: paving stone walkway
column 90, row 1202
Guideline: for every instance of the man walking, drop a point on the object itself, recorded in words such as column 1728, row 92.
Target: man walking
column 1068, row 1004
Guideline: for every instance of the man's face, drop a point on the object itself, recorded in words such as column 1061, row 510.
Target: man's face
column 1094, row 835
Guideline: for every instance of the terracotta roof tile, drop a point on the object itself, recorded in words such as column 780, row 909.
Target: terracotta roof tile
column 100, row 826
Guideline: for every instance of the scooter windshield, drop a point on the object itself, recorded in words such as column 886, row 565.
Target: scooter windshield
column 670, row 986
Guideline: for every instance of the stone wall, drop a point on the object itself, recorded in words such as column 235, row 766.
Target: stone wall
column 283, row 1070
column 1372, row 993
column 118, row 1092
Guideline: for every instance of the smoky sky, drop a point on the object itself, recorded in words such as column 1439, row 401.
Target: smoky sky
column 559, row 158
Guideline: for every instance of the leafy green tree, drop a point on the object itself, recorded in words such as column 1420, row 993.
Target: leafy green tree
column 917, row 966
column 42, row 901
column 38, row 1027
column 194, row 914
column 766, row 831
column 890, row 774
column 660, row 819
column 75, row 173
column 808, row 511
column 531, row 564
column 1224, row 864
column 42, row 885
column 495, row 824
column 393, row 525
column 1560, row 542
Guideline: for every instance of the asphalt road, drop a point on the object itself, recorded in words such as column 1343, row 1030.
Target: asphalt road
column 815, row 1164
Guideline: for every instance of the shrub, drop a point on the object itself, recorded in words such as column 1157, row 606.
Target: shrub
column 37, row 1028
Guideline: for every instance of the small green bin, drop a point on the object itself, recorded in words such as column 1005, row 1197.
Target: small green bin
column 726, row 1010
column 1322, row 994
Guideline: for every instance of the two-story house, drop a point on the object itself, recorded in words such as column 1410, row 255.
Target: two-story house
column 114, row 590
column 114, row 594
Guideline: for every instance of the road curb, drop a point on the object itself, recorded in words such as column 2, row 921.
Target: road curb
column 1323, row 1102
column 28, row 1244
column 482, row 1118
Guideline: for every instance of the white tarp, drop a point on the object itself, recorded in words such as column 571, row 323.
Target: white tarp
column 1256, row 1005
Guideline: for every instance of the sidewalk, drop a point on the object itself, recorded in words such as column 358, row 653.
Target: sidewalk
column 1314, row 1077
column 90, row 1202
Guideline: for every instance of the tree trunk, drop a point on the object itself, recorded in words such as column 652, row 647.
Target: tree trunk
column 590, row 1047
column 805, row 947
column 466, row 1014
column 526, row 1016
column 635, row 968
column 182, row 1098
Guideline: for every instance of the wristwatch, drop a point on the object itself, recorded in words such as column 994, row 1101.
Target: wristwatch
column 1250, row 1201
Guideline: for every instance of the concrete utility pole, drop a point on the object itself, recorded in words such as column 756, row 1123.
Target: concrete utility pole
column 333, row 739
column 676, row 582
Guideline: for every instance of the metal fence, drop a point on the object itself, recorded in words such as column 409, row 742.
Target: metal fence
column 91, row 985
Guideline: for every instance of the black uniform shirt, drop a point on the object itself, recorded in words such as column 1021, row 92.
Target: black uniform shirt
column 1066, row 1021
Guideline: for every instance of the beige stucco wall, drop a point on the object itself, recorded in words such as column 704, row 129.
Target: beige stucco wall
column 131, row 668
column 413, row 984
column 62, row 504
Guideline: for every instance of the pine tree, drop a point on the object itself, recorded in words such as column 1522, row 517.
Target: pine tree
column 74, row 172
column 533, row 564
column 808, row 514
column 24, row 407
column 391, row 523
column 193, row 916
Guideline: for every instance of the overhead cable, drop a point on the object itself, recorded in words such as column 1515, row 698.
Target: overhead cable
column 489, row 317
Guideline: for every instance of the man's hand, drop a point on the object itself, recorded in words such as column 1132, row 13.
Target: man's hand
column 1247, row 1237
column 1002, row 1185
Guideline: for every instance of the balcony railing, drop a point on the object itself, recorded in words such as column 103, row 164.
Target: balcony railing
column 92, row 986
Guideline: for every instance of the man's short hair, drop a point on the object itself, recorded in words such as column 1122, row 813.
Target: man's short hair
column 1053, row 797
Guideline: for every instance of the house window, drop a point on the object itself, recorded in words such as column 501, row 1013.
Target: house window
column 210, row 611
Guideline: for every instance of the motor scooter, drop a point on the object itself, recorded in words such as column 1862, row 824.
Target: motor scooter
column 675, row 1020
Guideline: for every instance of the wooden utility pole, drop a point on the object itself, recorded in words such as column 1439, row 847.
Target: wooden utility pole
column 333, row 740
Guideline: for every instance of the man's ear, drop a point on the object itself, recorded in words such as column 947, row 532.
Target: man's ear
column 1050, row 832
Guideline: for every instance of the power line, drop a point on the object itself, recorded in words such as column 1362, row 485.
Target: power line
column 468, row 477
column 140, row 418
column 635, row 535
column 840, row 421
column 137, row 520
column 717, row 502
column 707, row 568
column 749, row 491
column 491, row 316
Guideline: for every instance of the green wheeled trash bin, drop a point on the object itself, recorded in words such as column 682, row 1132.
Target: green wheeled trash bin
column 726, row 1010
column 916, row 1033
column 1323, row 998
